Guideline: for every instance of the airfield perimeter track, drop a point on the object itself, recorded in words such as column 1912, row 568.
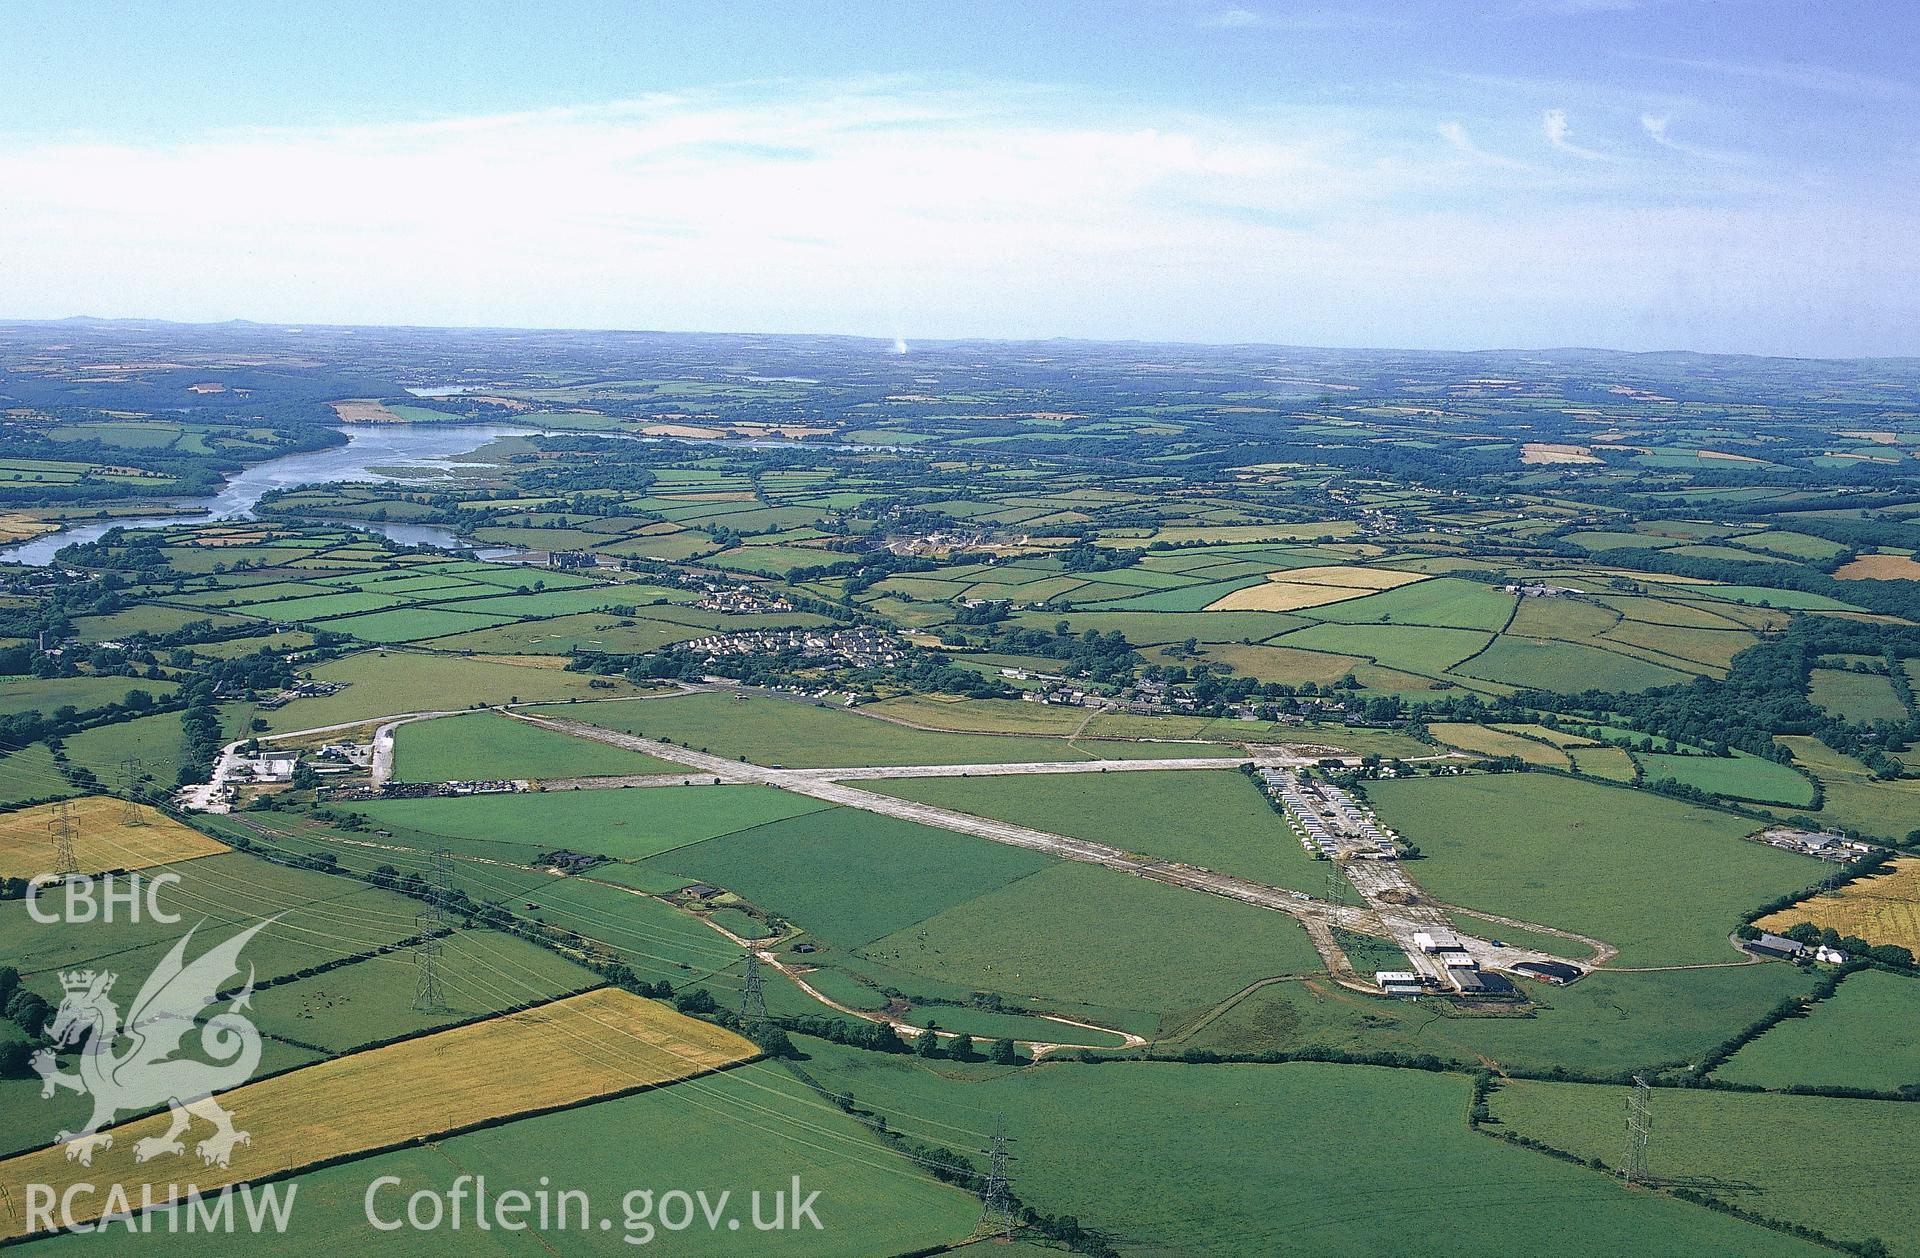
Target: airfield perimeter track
column 1318, row 915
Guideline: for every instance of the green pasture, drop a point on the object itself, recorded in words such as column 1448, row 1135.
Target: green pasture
column 1772, row 1155
column 1576, row 854
column 850, row 876
column 1085, row 934
column 1866, row 1035
column 1381, row 1172
column 1218, row 820
column 489, row 745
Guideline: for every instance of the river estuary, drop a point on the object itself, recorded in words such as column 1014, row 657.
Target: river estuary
column 371, row 453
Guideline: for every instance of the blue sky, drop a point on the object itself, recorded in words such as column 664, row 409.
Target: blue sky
column 1639, row 174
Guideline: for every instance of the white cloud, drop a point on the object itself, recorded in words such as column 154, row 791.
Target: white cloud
column 1659, row 129
column 1455, row 134
column 1303, row 21
column 1560, row 135
column 1800, row 76
column 1234, row 19
column 994, row 210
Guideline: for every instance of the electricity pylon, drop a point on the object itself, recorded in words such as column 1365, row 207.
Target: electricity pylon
column 60, row 831
column 996, row 1195
column 432, row 925
column 1639, row 1127
column 753, row 1000
column 130, row 814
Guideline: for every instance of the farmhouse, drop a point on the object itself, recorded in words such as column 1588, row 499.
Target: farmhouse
column 1828, row 845
column 270, row 767
column 303, row 690
column 1777, row 946
column 360, row 754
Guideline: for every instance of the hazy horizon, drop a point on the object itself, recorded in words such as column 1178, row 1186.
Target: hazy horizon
column 297, row 326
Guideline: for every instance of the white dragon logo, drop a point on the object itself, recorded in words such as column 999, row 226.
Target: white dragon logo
column 150, row 1070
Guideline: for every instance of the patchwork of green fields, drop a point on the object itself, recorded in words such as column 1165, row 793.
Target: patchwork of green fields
column 1740, row 776
column 1854, row 796
column 1216, row 820
column 1385, row 1161
column 1732, row 1143
column 1578, row 855
column 1605, row 1023
column 390, row 683
column 847, row 876
column 621, row 824
column 323, row 918
column 1857, row 696
column 781, row 732
column 1866, row 1035
column 489, row 745
column 750, row 1129
column 28, row 694
column 373, row 1001
column 1085, row 934
column 1154, row 548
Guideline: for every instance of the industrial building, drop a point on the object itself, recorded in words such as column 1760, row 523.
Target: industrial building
column 1481, row 983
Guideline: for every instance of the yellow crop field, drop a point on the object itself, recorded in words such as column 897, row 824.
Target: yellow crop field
column 104, row 837
column 18, row 528
column 1284, row 596
column 365, row 411
column 1294, row 588
column 597, row 1044
column 1349, row 575
column 1537, row 452
column 1882, row 910
column 1880, row 568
